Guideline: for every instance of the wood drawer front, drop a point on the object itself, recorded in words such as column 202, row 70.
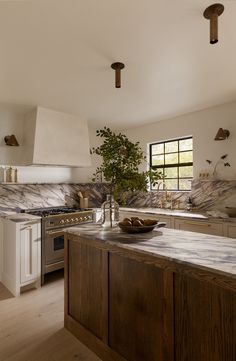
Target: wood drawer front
column 200, row 227
column 159, row 217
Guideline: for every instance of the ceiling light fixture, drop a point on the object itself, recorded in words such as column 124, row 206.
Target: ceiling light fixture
column 222, row 134
column 11, row 140
column 212, row 13
column 118, row 67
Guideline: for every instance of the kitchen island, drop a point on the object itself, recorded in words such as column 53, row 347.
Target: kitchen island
column 167, row 295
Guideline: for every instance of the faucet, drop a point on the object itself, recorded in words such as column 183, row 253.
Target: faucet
column 168, row 196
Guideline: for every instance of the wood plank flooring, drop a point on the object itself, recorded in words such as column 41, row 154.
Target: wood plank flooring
column 31, row 327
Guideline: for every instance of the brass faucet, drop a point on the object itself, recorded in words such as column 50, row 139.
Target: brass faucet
column 168, row 196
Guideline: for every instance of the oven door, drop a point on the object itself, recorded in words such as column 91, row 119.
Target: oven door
column 54, row 246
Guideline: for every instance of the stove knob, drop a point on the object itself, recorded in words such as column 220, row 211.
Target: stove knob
column 72, row 220
column 76, row 219
column 62, row 221
column 67, row 221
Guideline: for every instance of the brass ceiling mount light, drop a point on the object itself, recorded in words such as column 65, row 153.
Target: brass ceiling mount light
column 11, row 140
column 118, row 67
column 222, row 134
column 212, row 13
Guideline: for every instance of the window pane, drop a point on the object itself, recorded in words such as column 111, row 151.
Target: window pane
column 168, row 157
column 171, row 158
column 171, row 172
column 186, row 144
column 171, row 147
column 185, row 157
column 158, row 148
column 171, row 184
column 158, row 159
column 185, row 184
column 185, row 172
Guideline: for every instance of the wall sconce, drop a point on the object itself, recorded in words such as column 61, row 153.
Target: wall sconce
column 212, row 13
column 118, row 67
column 222, row 134
column 11, row 140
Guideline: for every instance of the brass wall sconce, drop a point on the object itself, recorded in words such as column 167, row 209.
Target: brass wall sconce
column 222, row 134
column 11, row 140
column 212, row 13
column 118, row 67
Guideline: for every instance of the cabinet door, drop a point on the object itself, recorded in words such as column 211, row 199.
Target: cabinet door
column 231, row 230
column 199, row 226
column 29, row 238
column 87, row 291
column 140, row 310
column 205, row 321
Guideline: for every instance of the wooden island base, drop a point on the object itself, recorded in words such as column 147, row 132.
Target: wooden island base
column 129, row 306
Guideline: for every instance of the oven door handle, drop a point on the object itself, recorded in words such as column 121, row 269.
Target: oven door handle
column 51, row 233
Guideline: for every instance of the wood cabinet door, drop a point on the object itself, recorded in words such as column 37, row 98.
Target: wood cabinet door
column 205, row 321
column 231, row 230
column 87, row 291
column 29, row 259
column 140, row 313
column 199, row 226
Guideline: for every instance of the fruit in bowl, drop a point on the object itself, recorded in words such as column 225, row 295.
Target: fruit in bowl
column 139, row 225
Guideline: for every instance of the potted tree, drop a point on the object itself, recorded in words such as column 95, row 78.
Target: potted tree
column 121, row 160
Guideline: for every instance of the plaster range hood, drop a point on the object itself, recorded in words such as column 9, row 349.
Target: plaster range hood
column 56, row 139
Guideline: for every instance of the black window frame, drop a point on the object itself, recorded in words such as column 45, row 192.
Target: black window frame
column 177, row 165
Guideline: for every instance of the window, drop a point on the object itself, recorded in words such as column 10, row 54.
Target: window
column 175, row 159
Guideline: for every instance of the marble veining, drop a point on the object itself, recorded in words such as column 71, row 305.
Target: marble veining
column 26, row 196
column 205, row 195
column 214, row 253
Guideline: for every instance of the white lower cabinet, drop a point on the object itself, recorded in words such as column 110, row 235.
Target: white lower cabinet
column 206, row 227
column 29, row 242
column 21, row 255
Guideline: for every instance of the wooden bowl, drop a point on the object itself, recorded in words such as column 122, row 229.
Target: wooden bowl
column 136, row 229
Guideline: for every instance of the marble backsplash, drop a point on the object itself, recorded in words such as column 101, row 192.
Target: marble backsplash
column 205, row 195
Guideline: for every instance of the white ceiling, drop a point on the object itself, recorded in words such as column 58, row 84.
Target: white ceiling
column 57, row 53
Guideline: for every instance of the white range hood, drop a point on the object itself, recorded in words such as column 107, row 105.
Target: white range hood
column 55, row 138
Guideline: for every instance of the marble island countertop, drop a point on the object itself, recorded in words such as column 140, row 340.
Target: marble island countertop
column 217, row 254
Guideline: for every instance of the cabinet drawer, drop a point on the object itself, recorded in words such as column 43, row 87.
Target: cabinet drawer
column 199, row 226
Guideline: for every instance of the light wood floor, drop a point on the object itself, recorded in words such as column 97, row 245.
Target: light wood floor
column 31, row 327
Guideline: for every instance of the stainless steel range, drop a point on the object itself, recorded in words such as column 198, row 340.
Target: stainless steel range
column 54, row 220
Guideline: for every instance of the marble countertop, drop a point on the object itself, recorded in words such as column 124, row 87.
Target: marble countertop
column 213, row 253
column 167, row 212
column 177, row 213
column 18, row 216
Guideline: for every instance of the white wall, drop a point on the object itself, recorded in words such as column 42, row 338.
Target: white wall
column 202, row 125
